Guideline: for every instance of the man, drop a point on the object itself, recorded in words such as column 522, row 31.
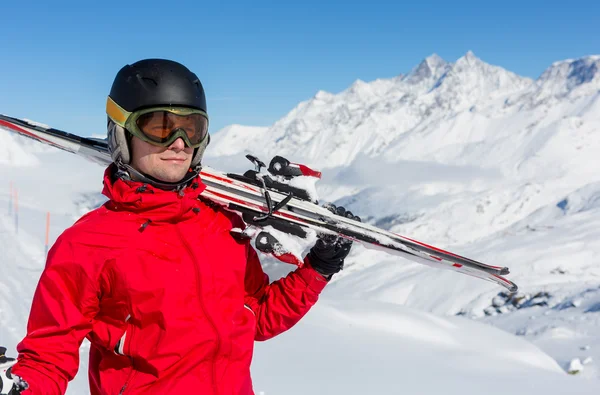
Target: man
column 170, row 300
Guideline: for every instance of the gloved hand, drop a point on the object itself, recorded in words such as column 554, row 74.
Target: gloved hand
column 10, row 384
column 328, row 254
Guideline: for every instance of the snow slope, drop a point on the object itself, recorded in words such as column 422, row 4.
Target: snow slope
column 357, row 347
column 342, row 346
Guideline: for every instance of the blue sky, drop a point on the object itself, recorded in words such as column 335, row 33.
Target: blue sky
column 258, row 59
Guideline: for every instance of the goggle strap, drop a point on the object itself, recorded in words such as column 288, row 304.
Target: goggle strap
column 117, row 113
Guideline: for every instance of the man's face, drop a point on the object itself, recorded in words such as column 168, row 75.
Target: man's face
column 167, row 164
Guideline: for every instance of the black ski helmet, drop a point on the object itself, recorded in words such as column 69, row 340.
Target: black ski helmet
column 153, row 83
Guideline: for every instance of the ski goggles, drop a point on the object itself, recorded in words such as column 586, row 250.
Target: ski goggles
column 162, row 125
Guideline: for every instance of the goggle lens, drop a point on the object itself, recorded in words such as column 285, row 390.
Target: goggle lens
column 159, row 126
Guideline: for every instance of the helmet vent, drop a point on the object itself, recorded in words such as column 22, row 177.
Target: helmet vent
column 145, row 80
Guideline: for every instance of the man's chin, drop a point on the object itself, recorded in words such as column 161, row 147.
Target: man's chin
column 170, row 177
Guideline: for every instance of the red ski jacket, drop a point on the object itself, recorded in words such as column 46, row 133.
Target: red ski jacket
column 170, row 301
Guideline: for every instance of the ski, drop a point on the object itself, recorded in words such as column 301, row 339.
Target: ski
column 264, row 198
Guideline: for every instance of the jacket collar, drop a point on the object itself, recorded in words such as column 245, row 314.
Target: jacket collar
column 151, row 203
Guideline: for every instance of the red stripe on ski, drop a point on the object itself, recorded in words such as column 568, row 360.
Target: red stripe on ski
column 229, row 181
column 443, row 251
column 258, row 207
column 440, row 259
column 502, row 278
column 235, row 200
column 25, row 132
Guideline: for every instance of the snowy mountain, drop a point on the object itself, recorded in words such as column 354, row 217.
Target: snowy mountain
column 330, row 130
column 224, row 143
column 462, row 155
column 466, row 156
column 453, row 135
column 574, row 75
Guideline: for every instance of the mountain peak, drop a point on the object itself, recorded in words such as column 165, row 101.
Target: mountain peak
column 359, row 87
column 469, row 59
column 323, row 95
column 582, row 71
column 358, row 83
column 435, row 61
column 372, row 118
column 432, row 66
column 564, row 76
column 470, row 79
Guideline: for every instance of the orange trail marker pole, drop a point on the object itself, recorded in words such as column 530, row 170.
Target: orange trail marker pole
column 47, row 232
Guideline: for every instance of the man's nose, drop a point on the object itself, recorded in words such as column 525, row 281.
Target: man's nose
column 177, row 145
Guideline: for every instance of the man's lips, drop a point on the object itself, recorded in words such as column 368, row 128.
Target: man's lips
column 174, row 159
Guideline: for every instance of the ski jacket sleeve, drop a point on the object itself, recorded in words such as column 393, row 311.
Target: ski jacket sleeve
column 64, row 304
column 278, row 306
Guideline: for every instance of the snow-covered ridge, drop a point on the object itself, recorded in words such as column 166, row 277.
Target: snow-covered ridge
column 444, row 142
column 226, row 141
column 370, row 117
column 571, row 73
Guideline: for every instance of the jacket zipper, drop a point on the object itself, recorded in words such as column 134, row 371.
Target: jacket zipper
column 203, row 308
column 133, row 371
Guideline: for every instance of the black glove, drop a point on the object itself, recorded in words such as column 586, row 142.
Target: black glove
column 9, row 384
column 328, row 254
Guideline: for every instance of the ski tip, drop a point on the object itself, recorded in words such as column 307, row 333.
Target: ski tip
column 513, row 288
column 504, row 271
